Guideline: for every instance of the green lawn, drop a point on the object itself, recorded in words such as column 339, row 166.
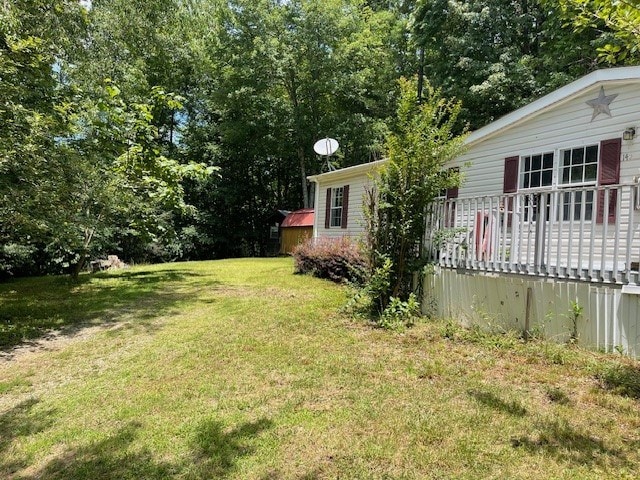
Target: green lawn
column 240, row 369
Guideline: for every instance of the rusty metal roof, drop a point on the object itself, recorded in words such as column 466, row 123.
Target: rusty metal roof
column 299, row 218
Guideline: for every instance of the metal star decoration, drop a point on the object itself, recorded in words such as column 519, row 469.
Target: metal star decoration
column 601, row 104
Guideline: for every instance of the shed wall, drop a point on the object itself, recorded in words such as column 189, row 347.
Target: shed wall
column 293, row 236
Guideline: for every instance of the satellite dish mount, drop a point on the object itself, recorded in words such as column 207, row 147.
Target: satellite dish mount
column 326, row 147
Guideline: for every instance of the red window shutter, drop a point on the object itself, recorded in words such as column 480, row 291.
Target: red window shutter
column 450, row 207
column 453, row 191
column 327, row 212
column 510, row 184
column 510, row 181
column 609, row 174
column 345, row 205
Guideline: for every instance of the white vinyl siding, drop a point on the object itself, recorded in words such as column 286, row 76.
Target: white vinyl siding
column 556, row 129
column 359, row 179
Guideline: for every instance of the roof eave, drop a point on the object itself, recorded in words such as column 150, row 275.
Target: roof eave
column 348, row 171
column 553, row 99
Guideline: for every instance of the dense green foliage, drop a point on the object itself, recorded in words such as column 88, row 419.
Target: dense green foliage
column 282, row 75
column 497, row 55
column 246, row 87
column 421, row 143
column 34, row 111
column 617, row 21
column 80, row 167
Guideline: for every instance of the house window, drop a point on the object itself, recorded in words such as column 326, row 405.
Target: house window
column 578, row 168
column 536, row 171
column 336, row 207
column 571, row 176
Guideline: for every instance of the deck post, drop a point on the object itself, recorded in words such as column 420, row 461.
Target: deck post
column 527, row 314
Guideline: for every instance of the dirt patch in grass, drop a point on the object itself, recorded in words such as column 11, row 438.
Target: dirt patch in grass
column 53, row 340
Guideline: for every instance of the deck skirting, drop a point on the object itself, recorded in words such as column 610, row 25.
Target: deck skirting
column 609, row 318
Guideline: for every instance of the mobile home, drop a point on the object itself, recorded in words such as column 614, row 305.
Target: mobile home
column 544, row 232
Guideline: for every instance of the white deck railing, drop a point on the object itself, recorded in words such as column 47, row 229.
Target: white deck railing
column 588, row 233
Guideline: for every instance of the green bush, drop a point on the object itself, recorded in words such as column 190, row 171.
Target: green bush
column 17, row 259
column 365, row 301
column 339, row 260
column 400, row 313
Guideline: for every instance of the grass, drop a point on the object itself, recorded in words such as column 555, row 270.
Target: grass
column 240, row 369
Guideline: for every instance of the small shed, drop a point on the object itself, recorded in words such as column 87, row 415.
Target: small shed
column 272, row 232
column 296, row 228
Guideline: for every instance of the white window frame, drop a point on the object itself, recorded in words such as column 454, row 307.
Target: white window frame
column 557, row 183
column 528, row 210
column 335, row 212
column 522, row 173
column 560, row 167
column 565, row 200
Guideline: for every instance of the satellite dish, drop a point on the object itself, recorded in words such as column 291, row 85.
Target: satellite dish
column 326, row 147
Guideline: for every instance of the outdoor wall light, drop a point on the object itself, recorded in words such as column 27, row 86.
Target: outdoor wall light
column 629, row 133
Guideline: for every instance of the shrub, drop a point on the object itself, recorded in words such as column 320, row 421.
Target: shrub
column 400, row 313
column 338, row 260
column 17, row 259
column 421, row 141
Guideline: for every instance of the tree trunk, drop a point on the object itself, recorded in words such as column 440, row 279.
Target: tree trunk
column 303, row 177
column 77, row 268
column 291, row 86
column 82, row 261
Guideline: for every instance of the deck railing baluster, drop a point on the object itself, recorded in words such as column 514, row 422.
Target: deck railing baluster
column 583, row 214
column 553, row 212
column 630, row 229
column 564, row 233
column 605, row 225
column 592, row 237
column 571, row 212
column 559, row 262
column 616, row 242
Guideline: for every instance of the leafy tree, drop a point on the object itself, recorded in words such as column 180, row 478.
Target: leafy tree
column 617, row 21
column 277, row 76
column 419, row 146
column 35, row 36
column 140, row 45
column 126, row 181
column 327, row 58
column 497, row 55
column 262, row 81
column 76, row 166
